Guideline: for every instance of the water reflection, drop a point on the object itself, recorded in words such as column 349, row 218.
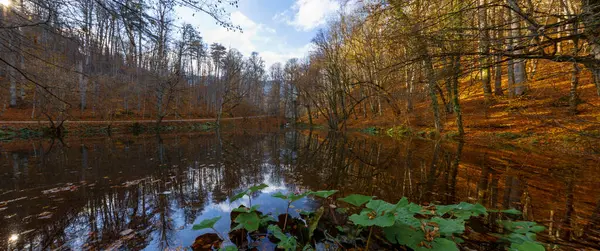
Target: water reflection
column 147, row 192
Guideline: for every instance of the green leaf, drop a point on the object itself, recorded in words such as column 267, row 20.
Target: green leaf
column 324, row 194
column 280, row 195
column 507, row 211
column 237, row 197
column 449, row 227
column 414, row 238
column 249, row 221
column 257, row 188
column 313, row 222
column 527, row 246
column 209, row 223
column 291, row 197
column 237, row 227
column 369, row 218
column 229, row 248
column 462, row 210
column 404, row 235
column 441, row 244
column 522, row 227
column 285, row 242
column 246, row 209
column 381, row 206
column 356, row 199
column 295, row 197
column 266, row 219
column 406, row 215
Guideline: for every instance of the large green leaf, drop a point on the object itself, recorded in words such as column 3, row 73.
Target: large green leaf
column 507, row 211
column 266, row 219
column 291, row 197
column 522, row 227
column 381, row 206
column 404, row 235
column 313, row 222
column 249, row 221
column 246, row 209
column 406, row 215
column 248, row 192
column 285, row 242
column 462, row 210
column 208, row 223
column 356, row 199
column 229, row 248
column 414, row 238
column 324, row 194
column 449, row 227
column 257, row 188
column 527, row 246
column 237, row 197
column 369, row 217
column 280, row 195
column 439, row 244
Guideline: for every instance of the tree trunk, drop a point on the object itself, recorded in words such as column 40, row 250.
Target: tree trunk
column 591, row 10
column 455, row 97
column 573, row 96
column 432, row 83
column 520, row 75
column 82, row 85
column 484, row 49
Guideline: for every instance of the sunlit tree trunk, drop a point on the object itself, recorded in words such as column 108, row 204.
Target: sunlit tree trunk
column 591, row 10
column 519, row 72
column 484, row 50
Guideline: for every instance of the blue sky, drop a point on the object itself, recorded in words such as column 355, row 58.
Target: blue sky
column 277, row 29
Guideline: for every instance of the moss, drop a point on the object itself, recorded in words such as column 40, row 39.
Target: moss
column 371, row 130
column 398, row 131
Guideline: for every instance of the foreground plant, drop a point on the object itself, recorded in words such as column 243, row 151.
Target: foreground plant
column 402, row 225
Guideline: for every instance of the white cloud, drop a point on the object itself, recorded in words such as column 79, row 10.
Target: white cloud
column 284, row 54
column 307, row 15
column 246, row 41
column 258, row 37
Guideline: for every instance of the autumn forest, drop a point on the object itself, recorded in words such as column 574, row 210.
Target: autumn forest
column 469, row 101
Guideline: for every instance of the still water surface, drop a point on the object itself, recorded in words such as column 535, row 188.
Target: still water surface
column 92, row 193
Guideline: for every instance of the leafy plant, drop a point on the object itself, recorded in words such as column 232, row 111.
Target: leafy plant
column 293, row 197
column 356, row 199
column 209, row 224
column 229, row 248
column 522, row 235
column 415, row 227
column 249, row 221
column 286, row 242
column 290, row 198
column 248, row 192
column 313, row 221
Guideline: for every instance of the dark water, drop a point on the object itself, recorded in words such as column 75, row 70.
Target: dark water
column 89, row 193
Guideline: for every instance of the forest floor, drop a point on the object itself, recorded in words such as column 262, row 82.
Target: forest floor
column 539, row 119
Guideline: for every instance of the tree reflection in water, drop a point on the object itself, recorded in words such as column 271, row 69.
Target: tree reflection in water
column 159, row 186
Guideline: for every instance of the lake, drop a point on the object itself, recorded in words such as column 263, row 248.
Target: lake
column 146, row 192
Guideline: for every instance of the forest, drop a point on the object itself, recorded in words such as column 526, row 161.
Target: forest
column 380, row 60
column 405, row 125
